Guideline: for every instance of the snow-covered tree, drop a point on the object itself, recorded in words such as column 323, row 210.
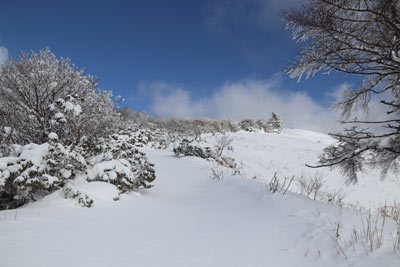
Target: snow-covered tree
column 362, row 38
column 31, row 87
column 65, row 128
column 274, row 124
column 222, row 143
column 247, row 125
column 75, row 119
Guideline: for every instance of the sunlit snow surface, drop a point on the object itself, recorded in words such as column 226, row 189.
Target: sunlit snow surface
column 189, row 219
column 261, row 155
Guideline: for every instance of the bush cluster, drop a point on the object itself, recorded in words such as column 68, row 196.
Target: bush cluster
column 57, row 126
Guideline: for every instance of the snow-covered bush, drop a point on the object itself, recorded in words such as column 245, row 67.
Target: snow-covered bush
column 24, row 178
column 196, row 149
column 81, row 198
column 9, row 170
column 64, row 161
column 247, row 125
column 161, row 139
column 203, row 150
column 228, row 162
column 229, row 126
column 156, row 138
column 273, row 125
column 122, row 164
column 71, row 127
column 37, row 170
column 162, row 132
column 147, row 133
column 263, row 124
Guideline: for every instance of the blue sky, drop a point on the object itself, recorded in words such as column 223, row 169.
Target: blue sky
column 154, row 50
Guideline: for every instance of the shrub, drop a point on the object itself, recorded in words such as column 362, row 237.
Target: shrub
column 45, row 100
column 247, row 125
column 37, row 170
column 201, row 150
column 196, row 149
column 122, row 164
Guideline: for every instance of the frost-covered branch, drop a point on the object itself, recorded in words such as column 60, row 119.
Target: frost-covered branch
column 357, row 37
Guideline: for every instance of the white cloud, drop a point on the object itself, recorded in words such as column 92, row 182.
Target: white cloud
column 3, row 55
column 256, row 99
column 176, row 103
column 171, row 100
column 248, row 98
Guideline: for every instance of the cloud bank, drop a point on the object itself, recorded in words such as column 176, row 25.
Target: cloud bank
column 3, row 55
column 248, row 98
column 253, row 99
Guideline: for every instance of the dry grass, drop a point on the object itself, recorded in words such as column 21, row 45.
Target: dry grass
column 371, row 235
column 276, row 186
column 217, row 174
column 393, row 212
column 311, row 186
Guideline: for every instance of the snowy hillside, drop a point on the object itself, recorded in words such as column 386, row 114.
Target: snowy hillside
column 190, row 219
column 260, row 155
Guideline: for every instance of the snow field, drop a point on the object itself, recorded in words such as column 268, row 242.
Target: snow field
column 260, row 155
column 187, row 219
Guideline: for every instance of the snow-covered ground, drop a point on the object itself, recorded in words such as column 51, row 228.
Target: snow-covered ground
column 260, row 155
column 189, row 219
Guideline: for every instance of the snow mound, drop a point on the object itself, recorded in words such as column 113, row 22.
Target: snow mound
column 99, row 191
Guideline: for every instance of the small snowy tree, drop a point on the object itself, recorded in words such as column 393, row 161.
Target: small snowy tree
column 274, row 124
column 222, row 143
